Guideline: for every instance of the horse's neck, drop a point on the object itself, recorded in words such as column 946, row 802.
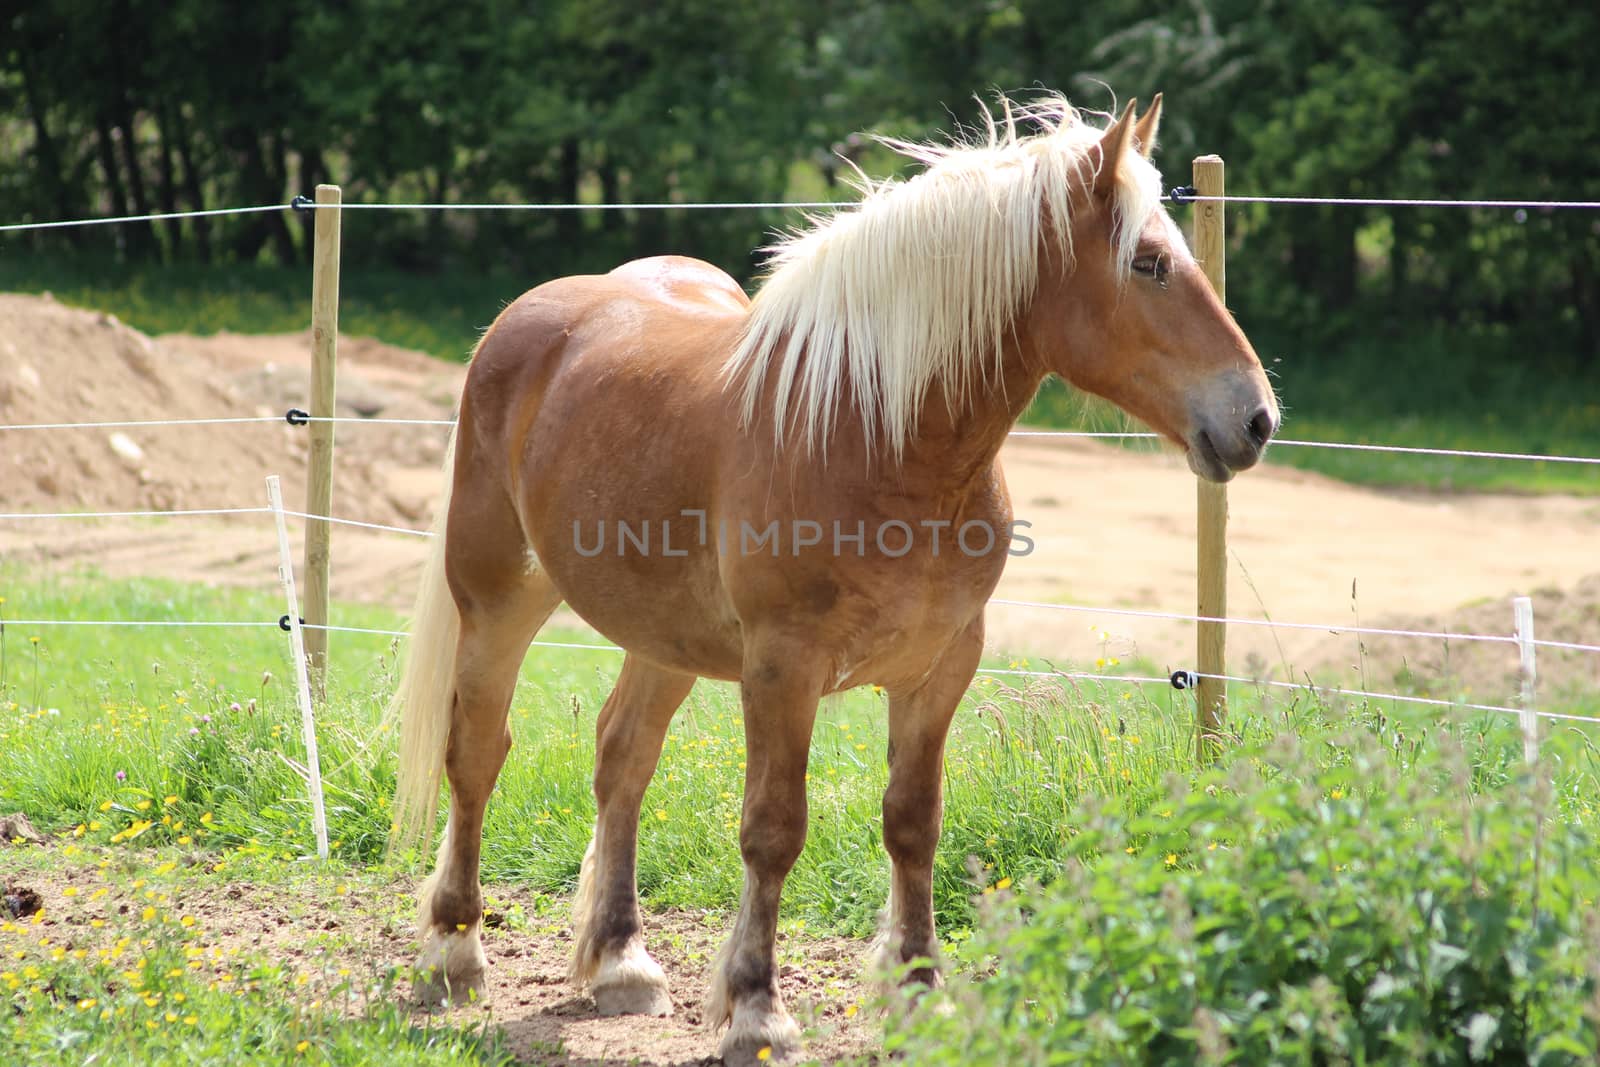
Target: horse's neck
column 956, row 442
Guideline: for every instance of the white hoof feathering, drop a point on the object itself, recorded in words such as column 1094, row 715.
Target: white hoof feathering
column 756, row 1028
column 631, row 983
column 450, row 968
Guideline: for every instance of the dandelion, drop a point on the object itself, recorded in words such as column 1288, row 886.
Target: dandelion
column 1004, row 883
column 765, row 1053
column 661, row 813
column 1172, row 859
column 302, row 1046
column 850, row 1012
column 171, row 799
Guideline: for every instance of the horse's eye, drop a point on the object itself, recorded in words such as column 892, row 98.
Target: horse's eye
column 1153, row 267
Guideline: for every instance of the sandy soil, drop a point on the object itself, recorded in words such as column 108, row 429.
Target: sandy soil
column 1112, row 528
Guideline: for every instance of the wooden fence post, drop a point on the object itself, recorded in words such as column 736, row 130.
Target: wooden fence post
column 319, row 477
column 1210, row 248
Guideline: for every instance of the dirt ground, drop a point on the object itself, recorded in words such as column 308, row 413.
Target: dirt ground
column 321, row 925
column 1112, row 528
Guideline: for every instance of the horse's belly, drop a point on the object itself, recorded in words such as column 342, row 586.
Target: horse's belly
column 644, row 583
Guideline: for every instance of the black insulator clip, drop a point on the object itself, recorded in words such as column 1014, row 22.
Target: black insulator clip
column 1182, row 680
column 283, row 623
column 296, row 417
column 303, row 204
column 1182, row 194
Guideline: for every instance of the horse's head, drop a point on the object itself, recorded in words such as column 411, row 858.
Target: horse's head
column 1133, row 319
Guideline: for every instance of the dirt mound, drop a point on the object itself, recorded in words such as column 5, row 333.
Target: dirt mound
column 1490, row 672
column 60, row 364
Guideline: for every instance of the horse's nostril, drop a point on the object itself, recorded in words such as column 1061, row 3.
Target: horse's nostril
column 1261, row 426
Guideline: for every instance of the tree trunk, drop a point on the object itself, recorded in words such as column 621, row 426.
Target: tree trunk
column 113, row 177
column 191, row 186
column 45, row 150
column 569, row 224
column 168, row 181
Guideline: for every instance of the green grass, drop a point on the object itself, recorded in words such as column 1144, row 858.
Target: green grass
column 194, row 722
column 143, row 742
column 1438, row 390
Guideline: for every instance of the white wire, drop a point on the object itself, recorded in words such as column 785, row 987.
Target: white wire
column 1430, row 701
column 130, row 514
column 1291, row 443
column 1328, row 628
column 128, row 622
column 1535, row 205
column 373, row 422
column 137, row 423
column 657, row 206
column 357, row 522
column 1375, row 201
column 143, row 218
column 1571, row 646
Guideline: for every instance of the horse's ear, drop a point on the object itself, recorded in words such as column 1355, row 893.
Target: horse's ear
column 1113, row 143
column 1144, row 134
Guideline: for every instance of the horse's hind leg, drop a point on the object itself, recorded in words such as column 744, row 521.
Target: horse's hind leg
column 503, row 602
column 609, row 956
column 913, row 806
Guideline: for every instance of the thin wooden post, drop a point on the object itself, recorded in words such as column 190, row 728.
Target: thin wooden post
column 319, row 476
column 1210, row 248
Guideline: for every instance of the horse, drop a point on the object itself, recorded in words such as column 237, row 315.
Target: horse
column 799, row 485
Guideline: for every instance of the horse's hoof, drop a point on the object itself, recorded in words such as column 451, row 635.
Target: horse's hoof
column 632, row 1000
column 434, row 988
column 775, row 1039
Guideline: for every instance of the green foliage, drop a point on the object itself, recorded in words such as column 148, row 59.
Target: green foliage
column 1383, row 907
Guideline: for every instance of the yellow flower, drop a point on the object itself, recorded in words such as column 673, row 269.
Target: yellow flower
column 190, row 1020
column 1004, row 883
column 169, row 799
column 302, row 1046
column 70, row 891
column 661, row 813
column 850, row 1012
column 87, row 1003
column 143, row 805
column 765, row 1054
column 106, row 806
column 1172, row 859
column 206, row 818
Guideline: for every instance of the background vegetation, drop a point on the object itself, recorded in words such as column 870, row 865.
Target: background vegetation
column 1411, row 325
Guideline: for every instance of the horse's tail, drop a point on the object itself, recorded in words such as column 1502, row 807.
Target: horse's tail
column 422, row 704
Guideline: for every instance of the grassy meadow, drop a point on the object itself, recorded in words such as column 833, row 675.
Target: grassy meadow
column 160, row 755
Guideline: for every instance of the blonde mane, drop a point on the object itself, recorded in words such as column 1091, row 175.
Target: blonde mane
column 919, row 282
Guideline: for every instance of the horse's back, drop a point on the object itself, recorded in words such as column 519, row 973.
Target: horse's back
column 685, row 281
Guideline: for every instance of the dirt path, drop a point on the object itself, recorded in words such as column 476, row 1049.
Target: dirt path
column 1112, row 528
column 328, row 925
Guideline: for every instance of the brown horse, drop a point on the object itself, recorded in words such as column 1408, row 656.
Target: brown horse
column 805, row 497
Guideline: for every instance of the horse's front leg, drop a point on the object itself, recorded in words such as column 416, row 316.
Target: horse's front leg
column 913, row 806
column 780, row 693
